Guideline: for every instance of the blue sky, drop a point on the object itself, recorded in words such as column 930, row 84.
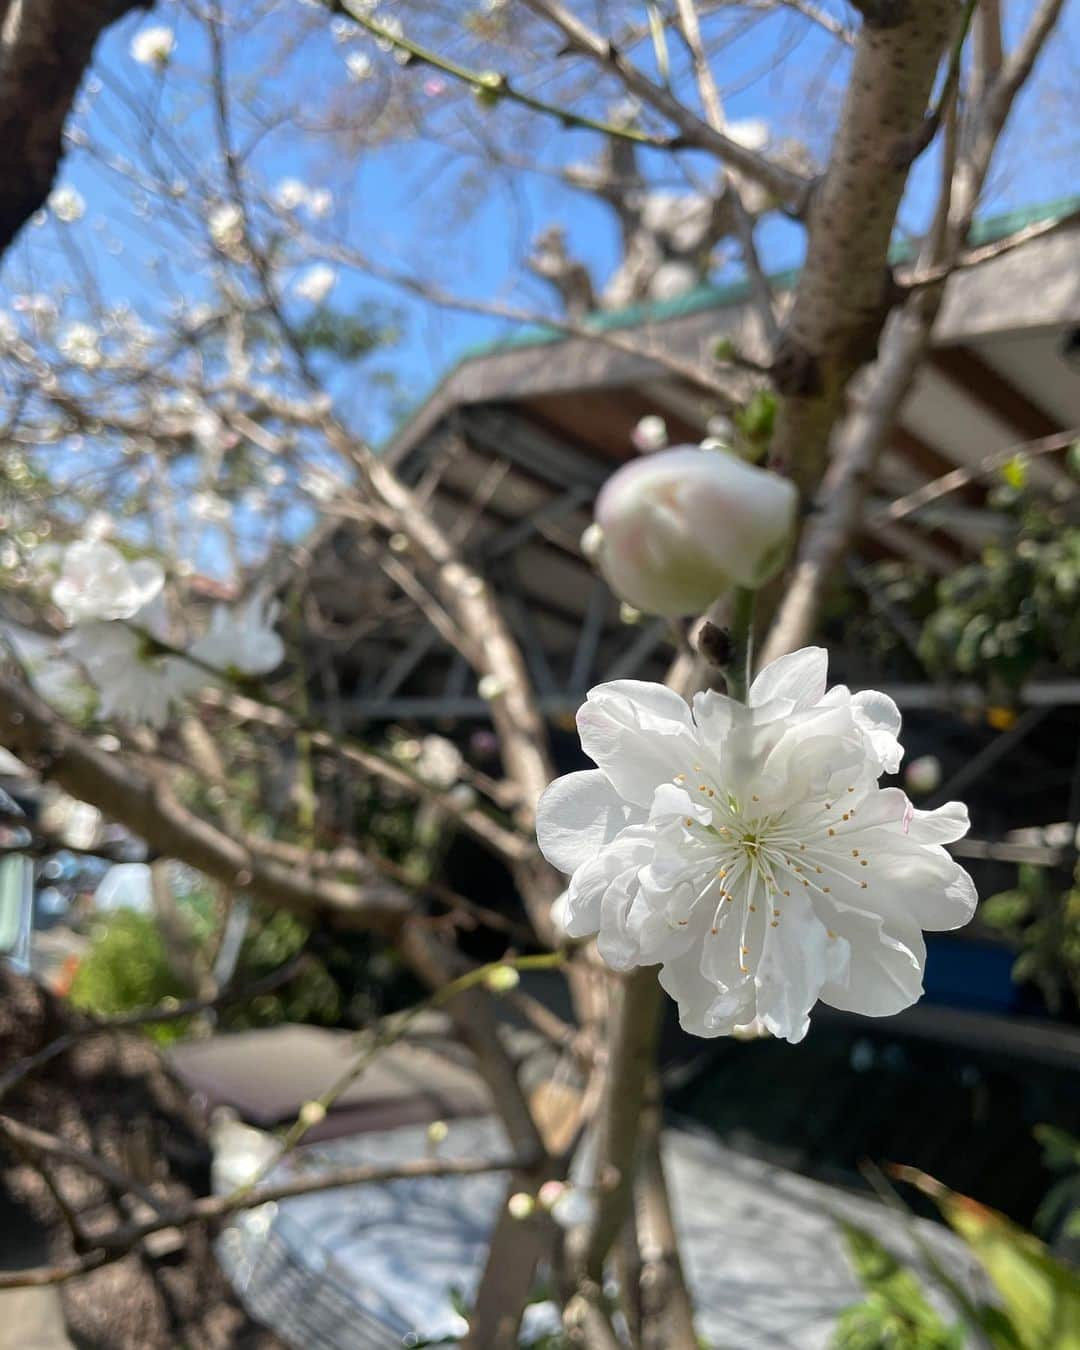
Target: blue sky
column 413, row 206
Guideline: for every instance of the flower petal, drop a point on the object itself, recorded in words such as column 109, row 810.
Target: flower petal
column 885, row 971
column 640, row 734
column 798, row 677
column 879, row 718
column 798, row 960
column 943, row 826
column 576, row 816
column 703, row 1010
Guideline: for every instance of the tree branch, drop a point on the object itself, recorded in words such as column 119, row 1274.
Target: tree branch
column 790, row 189
column 116, row 1243
column 29, row 727
column 45, row 45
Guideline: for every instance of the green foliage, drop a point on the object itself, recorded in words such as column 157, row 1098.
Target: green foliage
column 313, row 996
column 896, row 1314
column 126, row 969
column 1040, row 1297
column 347, row 336
column 1037, row 1304
column 1018, row 607
column 755, row 422
column 1043, row 922
column 1059, row 1213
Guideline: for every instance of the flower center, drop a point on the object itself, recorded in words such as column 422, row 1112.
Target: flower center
column 757, row 858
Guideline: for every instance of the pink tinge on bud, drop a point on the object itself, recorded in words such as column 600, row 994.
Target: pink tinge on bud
column 682, row 526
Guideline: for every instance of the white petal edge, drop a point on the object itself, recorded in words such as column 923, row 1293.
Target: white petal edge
column 576, row 816
column 800, row 677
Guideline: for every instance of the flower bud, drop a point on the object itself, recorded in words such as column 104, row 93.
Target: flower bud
column 650, row 434
column 681, row 527
column 520, row 1205
column 501, row 979
column 923, row 775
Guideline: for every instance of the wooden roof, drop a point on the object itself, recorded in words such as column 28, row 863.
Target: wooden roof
column 512, row 446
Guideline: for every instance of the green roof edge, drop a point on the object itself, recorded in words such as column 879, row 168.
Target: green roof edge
column 731, row 293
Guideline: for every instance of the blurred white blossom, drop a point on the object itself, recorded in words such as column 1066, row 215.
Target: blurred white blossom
column 923, row 775
column 440, row 761
column 290, row 194
column 242, row 637
column 134, row 682
column 226, row 226
column 650, row 433
column 153, row 46
column 315, row 284
column 97, row 582
column 210, row 507
column 67, row 204
column 79, row 342
column 360, row 66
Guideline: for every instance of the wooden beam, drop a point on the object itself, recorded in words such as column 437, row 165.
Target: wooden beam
column 965, row 368
column 931, row 463
column 596, row 612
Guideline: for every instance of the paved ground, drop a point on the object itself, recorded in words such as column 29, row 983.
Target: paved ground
column 30, row 1319
column 763, row 1254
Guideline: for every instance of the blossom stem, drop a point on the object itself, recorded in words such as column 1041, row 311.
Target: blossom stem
column 737, row 674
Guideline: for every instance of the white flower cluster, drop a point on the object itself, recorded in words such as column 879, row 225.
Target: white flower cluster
column 749, row 851
column 118, row 622
column 291, row 194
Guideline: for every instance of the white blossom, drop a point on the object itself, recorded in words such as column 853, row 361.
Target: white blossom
column 320, row 202
column 749, row 851
column 97, row 582
column 650, row 433
column 439, row 762
column 226, row 225
column 360, row 66
column 79, row 343
column 67, row 204
column 153, row 46
column 923, row 775
column 209, row 506
column 290, row 194
column 242, row 637
column 315, row 284
column 680, row 527
column 133, row 681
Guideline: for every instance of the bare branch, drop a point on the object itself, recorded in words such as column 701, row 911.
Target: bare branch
column 28, row 726
column 115, row 1244
column 790, row 189
column 1040, row 229
column 908, row 505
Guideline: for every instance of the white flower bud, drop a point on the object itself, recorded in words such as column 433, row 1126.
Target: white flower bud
column 923, row 775
column 520, row 1205
column 684, row 525
column 490, row 687
column 650, row 434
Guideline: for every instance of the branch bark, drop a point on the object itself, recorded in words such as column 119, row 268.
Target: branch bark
column 45, row 45
column 29, row 727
